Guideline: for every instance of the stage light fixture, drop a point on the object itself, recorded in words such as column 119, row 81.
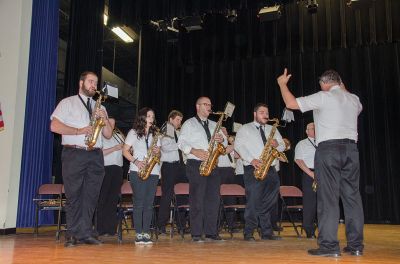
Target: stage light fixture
column 269, row 13
column 312, row 6
column 231, row 15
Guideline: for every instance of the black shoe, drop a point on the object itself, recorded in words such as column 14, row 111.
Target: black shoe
column 277, row 228
column 90, row 241
column 214, row 238
column 197, row 239
column 70, row 242
column 354, row 252
column 311, row 236
column 324, row 252
column 249, row 239
column 271, row 237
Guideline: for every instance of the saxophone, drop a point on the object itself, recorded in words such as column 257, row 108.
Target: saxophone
column 97, row 123
column 151, row 159
column 215, row 149
column 269, row 153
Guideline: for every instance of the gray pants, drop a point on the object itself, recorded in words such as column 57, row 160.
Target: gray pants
column 337, row 171
column 143, row 198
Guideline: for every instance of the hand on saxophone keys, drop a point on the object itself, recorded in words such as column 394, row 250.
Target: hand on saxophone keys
column 139, row 164
column 219, row 138
column 156, row 150
column 274, row 143
column 87, row 130
column 100, row 113
column 256, row 163
column 200, row 153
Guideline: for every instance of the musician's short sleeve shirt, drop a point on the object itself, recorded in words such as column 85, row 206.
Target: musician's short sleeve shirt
column 72, row 112
column 139, row 148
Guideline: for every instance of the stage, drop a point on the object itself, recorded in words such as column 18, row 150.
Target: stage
column 382, row 245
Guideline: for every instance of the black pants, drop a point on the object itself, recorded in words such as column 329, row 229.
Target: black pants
column 171, row 174
column 227, row 175
column 83, row 173
column 107, row 220
column 260, row 200
column 309, row 204
column 337, row 170
column 204, row 199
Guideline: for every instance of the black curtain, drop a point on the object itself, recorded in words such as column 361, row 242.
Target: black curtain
column 240, row 61
column 85, row 41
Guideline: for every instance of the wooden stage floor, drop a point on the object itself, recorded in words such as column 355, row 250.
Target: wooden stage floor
column 382, row 245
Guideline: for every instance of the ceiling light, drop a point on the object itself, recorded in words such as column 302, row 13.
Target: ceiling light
column 122, row 34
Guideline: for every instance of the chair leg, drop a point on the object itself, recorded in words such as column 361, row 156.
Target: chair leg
column 37, row 220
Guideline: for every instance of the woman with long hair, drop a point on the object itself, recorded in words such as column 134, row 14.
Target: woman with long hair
column 137, row 144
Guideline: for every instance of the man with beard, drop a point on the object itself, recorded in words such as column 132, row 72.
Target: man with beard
column 82, row 167
column 260, row 194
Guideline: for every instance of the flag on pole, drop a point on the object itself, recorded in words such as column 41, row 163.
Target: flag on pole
column 1, row 120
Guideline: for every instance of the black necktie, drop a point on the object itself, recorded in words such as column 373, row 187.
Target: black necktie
column 179, row 151
column 88, row 106
column 264, row 139
column 205, row 125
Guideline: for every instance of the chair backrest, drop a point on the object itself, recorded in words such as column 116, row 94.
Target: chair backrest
column 232, row 189
column 126, row 188
column 50, row 188
column 290, row 191
column 181, row 189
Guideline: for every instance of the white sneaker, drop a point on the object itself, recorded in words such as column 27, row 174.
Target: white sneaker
column 139, row 239
column 147, row 239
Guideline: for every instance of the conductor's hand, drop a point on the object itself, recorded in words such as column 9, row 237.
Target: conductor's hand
column 284, row 78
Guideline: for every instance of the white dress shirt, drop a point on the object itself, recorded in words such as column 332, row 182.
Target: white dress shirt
column 139, row 147
column 193, row 135
column 115, row 157
column 249, row 144
column 224, row 161
column 72, row 112
column 169, row 147
column 305, row 150
column 335, row 113
column 239, row 167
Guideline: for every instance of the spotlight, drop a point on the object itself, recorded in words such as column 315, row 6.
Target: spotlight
column 231, row 15
column 161, row 25
column 358, row 3
column 312, row 6
column 186, row 24
column 270, row 13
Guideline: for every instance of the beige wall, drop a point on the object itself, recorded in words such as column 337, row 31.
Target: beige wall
column 15, row 27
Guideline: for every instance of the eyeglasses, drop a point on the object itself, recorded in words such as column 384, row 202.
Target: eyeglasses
column 206, row 104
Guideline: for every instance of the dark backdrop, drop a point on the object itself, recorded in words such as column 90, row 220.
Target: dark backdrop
column 240, row 61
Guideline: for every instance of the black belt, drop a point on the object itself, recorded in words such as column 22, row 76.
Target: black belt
column 311, row 169
column 172, row 162
column 342, row 140
column 80, row 147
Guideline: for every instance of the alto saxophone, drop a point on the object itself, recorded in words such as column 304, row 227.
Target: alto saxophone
column 215, row 149
column 269, row 153
column 97, row 123
column 151, row 159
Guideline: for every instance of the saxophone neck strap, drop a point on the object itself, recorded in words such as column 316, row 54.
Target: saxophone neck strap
column 86, row 105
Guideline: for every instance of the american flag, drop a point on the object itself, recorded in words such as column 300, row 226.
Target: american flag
column 1, row 120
